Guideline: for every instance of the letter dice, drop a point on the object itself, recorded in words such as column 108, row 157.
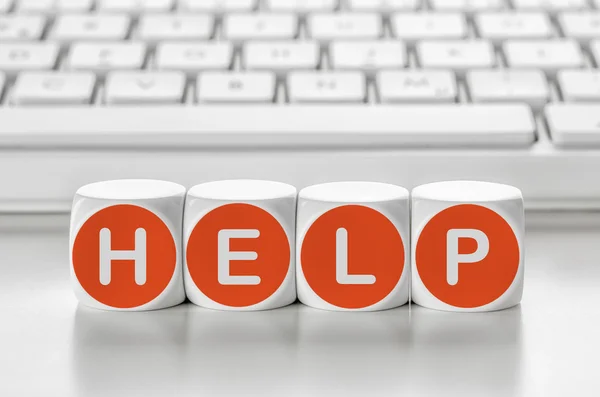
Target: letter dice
column 125, row 245
column 353, row 246
column 467, row 246
column 239, row 245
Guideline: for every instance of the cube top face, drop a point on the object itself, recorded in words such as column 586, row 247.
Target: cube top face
column 239, row 245
column 466, row 192
column 125, row 244
column 354, row 192
column 467, row 246
column 242, row 190
column 131, row 190
column 353, row 246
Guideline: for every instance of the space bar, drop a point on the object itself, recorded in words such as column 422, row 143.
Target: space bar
column 356, row 126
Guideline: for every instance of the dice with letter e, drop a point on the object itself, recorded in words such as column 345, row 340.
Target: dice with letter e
column 125, row 245
column 239, row 245
column 467, row 246
column 353, row 246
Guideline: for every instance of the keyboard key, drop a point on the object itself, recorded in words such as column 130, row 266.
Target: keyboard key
column 301, row 6
column 548, row 56
column 579, row 85
column 5, row 6
column 52, row 6
column 160, row 27
column 101, row 27
column 144, row 88
column 509, row 85
column 194, row 57
column 550, row 5
column 326, row 87
column 281, row 56
column 368, row 55
column 242, row 27
column 468, row 6
column 34, row 6
column 103, row 57
column 417, row 86
column 581, row 26
column 233, row 87
column 53, row 88
column 325, row 27
column 17, row 57
column 135, row 7
column 218, row 6
column 456, row 55
column 423, row 26
column 21, row 27
column 575, row 125
column 426, row 126
column 501, row 26
column 384, row 5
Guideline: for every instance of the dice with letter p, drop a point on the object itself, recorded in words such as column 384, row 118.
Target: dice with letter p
column 467, row 246
column 125, row 245
column 239, row 245
column 353, row 246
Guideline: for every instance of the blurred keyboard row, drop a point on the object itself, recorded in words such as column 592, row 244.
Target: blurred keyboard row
column 301, row 6
column 401, row 86
column 496, row 26
column 458, row 56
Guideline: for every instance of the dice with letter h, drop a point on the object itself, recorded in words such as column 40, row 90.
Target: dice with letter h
column 126, row 244
column 353, row 248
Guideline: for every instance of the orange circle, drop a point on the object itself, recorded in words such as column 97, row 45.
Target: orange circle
column 374, row 247
column 478, row 283
column 272, row 247
column 123, row 221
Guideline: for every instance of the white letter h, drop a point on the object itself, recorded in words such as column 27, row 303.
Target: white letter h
column 138, row 255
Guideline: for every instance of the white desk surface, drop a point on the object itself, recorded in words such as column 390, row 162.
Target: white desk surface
column 548, row 346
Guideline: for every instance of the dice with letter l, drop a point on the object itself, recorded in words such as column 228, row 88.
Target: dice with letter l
column 468, row 252
column 125, row 245
column 239, row 245
column 353, row 246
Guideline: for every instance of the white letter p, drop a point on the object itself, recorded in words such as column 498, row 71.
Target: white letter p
column 453, row 258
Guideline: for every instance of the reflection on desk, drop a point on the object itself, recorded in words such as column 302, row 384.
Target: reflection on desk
column 547, row 347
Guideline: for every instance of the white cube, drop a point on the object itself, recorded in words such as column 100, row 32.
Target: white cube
column 353, row 246
column 125, row 245
column 239, row 245
column 468, row 251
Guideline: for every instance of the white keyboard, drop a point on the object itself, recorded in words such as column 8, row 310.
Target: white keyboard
column 302, row 91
